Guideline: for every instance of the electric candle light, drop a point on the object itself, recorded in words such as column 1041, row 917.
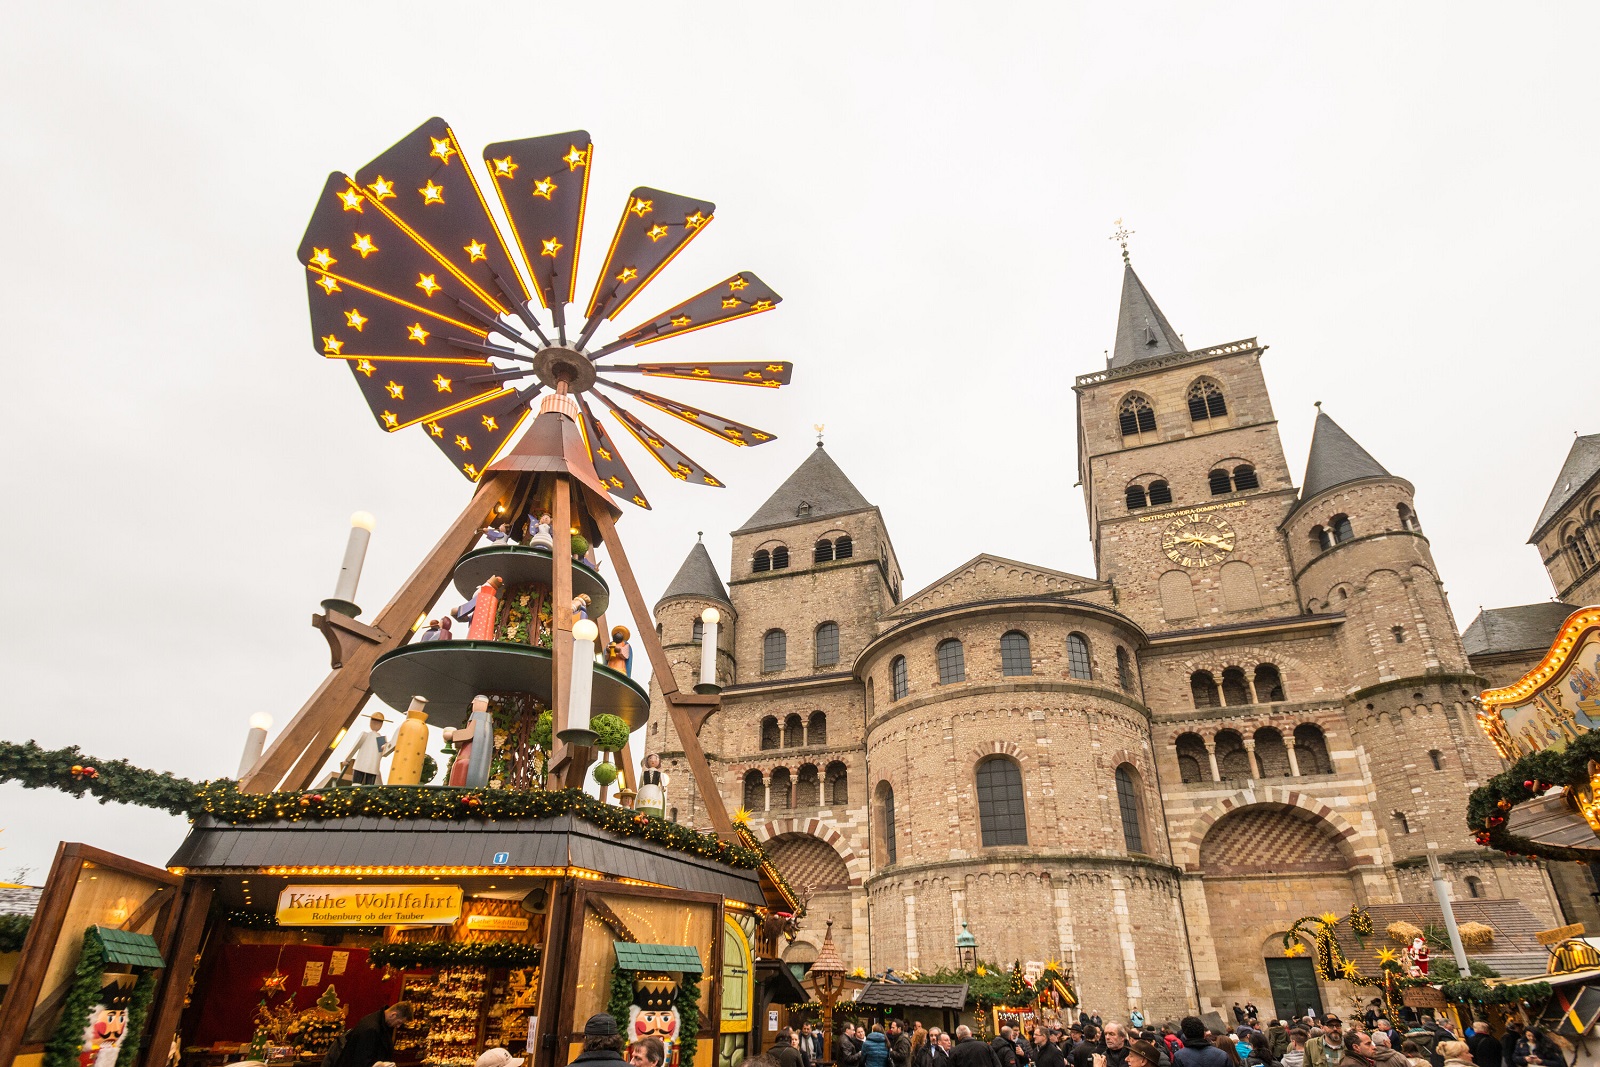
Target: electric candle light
column 708, row 652
column 581, row 692
column 254, row 741
column 355, row 555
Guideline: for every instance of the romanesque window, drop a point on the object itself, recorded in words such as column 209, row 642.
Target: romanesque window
column 1235, row 690
column 1002, row 819
column 1233, row 762
column 1160, row 492
column 1401, row 823
column 774, row 651
column 698, row 633
column 1135, row 416
column 1078, row 662
column 1239, row 589
column 1408, row 519
column 780, row 558
column 771, row 736
column 1220, row 482
column 1438, row 759
column 1124, row 670
column 1398, row 633
column 822, row 552
column 755, row 792
column 1580, row 553
column 794, row 731
column 1311, row 749
column 778, row 788
column 1015, row 656
column 843, row 547
column 1272, row 755
column 660, row 631
column 1177, row 595
column 1206, row 401
column 817, row 729
column 827, row 644
column 898, row 682
column 1321, row 539
column 1269, row 684
column 836, row 785
column 886, row 818
column 1203, row 687
column 1474, row 886
column 1136, row 497
column 952, row 661
column 1244, row 477
column 1342, row 530
column 1193, row 763
column 1128, row 806
column 808, row 788
column 761, row 561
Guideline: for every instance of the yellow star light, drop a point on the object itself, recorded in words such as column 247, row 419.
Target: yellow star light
column 603, row 454
column 682, row 472
column 760, row 305
column 574, row 158
column 322, row 258
column 738, row 283
column 426, row 283
column 364, row 245
column 628, row 274
column 1386, row 955
column 551, row 247
column 504, row 168
column 695, row 221
column 490, row 424
column 758, row 435
column 742, row 817
column 1349, row 970
column 476, row 250
column 355, row 319
column 731, row 301
column 442, row 149
column 543, row 187
column 435, row 429
column 332, row 345
column 641, row 207
column 463, row 444
column 1295, row 949
column 441, row 383
column 615, row 482
column 753, row 375
column 396, row 390
column 705, row 372
column 365, row 367
column 352, row 200
column 416, row 333
column 382, row 188
column 656, row 232
column 431, row 193
column 329, row 286
column 1328, row 918
column 681, row 320
column 774, row 368
column 637, row 499
column 391, row 420
column 472, row 472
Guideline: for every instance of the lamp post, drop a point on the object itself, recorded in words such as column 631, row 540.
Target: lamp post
column 355, row 554
column 966, row 949
column 828, row 977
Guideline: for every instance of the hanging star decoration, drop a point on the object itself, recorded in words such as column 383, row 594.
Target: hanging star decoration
column 275, row 982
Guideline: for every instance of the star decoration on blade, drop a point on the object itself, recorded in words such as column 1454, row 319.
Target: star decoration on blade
column 453, row 323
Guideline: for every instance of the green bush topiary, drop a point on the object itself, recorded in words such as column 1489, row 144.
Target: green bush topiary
column 605, row 773
column 612, row 732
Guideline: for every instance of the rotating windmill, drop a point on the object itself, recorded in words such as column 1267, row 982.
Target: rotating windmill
column 413, row 287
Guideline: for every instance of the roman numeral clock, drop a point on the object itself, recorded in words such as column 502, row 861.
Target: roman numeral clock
column 1198, row 540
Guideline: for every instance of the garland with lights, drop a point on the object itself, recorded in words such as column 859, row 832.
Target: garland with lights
column 687, row 1002
column 66, row 1042
column 13, row 931
column 70, row 771
column 1527, row 778
column 453, row 954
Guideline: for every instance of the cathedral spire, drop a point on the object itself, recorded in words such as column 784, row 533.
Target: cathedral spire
column 1142, row 331
column 1335, row 459
column 698, row 578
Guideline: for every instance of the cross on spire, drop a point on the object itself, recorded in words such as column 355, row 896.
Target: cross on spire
column 817, row 426
column 1121, row 236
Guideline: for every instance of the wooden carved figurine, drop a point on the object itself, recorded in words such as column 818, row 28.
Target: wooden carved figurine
column 486, row 609
column 619, row 654
column 652, row 799
column 367, row 756
column 540, row 534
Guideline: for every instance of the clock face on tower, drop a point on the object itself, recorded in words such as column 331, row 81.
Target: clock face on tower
column 1197, row 540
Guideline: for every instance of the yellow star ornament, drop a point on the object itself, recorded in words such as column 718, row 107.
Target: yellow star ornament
column 1387, row 955
column 741, row 817
column 1328, row 918
column 1296, row 948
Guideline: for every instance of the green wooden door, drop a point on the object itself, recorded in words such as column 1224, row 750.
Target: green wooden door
column 1294, row 987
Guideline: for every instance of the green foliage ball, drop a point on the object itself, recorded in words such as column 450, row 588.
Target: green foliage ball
column 430, row 767
column 612, row 731
column 544, row 731
column 580, row 545
column 605, row 773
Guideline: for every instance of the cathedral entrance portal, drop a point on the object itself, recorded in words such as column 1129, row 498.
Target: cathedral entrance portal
column 1294, row 987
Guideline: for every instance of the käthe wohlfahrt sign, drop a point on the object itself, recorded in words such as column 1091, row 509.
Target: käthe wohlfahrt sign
column 379, row 905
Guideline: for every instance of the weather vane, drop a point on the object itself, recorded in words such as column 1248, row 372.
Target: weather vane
column 817, row 426
column 1121, row 236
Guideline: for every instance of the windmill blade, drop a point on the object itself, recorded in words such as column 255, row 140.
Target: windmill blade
column 655, row 226
column 543, row 185
column 607, row 460
column 403, row 393
column 677, row 464
column 424, row 185
column 737, row 297
column 767, row 375
column 471, row 435
column 347, row 322
column 733, row 432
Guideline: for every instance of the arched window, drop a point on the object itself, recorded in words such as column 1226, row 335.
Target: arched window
column 1136, row 498
column 673, row 816
column 1239, row 589
column 774, row 651
column 1206, row 401
column 1474, row 887
column 952, row 661
column 1438, row 759
column 698, row 632
column 1135, row 416
column 1203, row 687
column 898, row 682
column 827, row 643
column 780, row 558
column 1124, row 670
column 886, row 819
column 836, row 785
column 1128, row 806
column 1220, row 482
column 1078, row 663
column 660, row 630
column 1177, row 595
column 1160, row 493
column 1321, row 539
column 1269, row 684
column 1194, row 765
column 1408, row 519
column 1002, row 819
column 794, row 731
column 817, row 729
column 779, row 789
column 1272, row 755
column 1311, row 749
column 1233, row 762
column 1342, row 530
column 808, row 788
column 771, row 737
column 843, row 548
column 1401, row 823
column 761, row 561
column 755, row 792
column 1235, row 690
column 1015, row 656
column 1580, row 553
column 1244, row 477
column 822, row 551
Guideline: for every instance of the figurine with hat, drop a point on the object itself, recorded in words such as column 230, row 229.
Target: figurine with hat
column 654, row 1012
column 367, row 755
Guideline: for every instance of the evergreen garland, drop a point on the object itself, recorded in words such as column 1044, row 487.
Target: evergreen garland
column 144, row 991
column 454, row 954
column 109, row 780
column 67, row 1039
column 13, row 931
column 621, row 995
column 1529, row 776
column 689, row 1015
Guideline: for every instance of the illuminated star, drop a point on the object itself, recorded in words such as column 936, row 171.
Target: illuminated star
column 758, row 435
column 391, row 420
column 274, row 982
column 615, row 482
column 1296, row 949
column 656, row 232
column 355, row 319
column 431, row 193
column 681, row 321
column 1349, row 970
column 551, row 247
column 365, row 367
column 322, row 258
column 463, row 444
column 332, row 345
column 472, row 472
column 476, row 250
column 364, row 245
column 753, row 375
column 382, row 188
column 603, row 454
column 774, row 368
column 352, row 200
column 426, row 283
column 705, row 372
column 628, row 274
column 637, row 499
column 731, row 301
column 543, row 187
column 761, row 305
column 574, row 158
column 435, row 429
column 504, row 168
column 1386, row 955
column 441, row 383
column 442, row 149
column 1328, row 918
column 490, row 424
column 396, row 390
column 738, row 283
column 712, row 482
column 641, row 207
column 742, row 817
column 416, row 333
column 695, row 221
column 329, row 286
column 681, row 472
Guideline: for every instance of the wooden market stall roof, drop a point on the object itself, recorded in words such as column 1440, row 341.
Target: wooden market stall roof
column 1515, row 951
column 914, row 995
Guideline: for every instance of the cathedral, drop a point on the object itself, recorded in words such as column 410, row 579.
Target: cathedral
column 1258, row 706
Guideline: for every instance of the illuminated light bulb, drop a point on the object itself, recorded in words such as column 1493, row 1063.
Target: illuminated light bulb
column 261, row 720
column 708, row 651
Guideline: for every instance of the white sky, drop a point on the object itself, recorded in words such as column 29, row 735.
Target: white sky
column 1398, row 199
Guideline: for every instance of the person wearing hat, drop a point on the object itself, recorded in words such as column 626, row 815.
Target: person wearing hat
column 498, row 1057
column 602, row 1041
column 367, row 755
column 1143, row 1054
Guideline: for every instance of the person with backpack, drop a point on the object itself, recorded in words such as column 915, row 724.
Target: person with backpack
column 370, row 1040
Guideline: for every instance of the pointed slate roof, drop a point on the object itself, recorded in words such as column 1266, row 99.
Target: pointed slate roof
column 1523, row 628
column 1335, row 459
column 1142, row 331
column 1583, row 462
column 698, row 578
column 819, row 483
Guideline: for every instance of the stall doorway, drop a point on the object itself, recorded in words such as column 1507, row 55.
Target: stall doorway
column 1294, row 987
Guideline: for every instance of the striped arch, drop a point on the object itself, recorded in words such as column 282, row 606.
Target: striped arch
column 854, row 862
column 999, row 748
column 1186, row 847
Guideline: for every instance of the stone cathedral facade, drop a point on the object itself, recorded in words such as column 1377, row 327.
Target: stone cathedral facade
column 1257, row 707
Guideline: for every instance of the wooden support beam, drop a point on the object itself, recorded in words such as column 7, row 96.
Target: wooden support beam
column 297, row 753
column 169, row 1002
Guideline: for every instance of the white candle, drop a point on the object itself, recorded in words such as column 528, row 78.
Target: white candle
column 708, row 649
column 580, row 693
column 254, row 741
column 355, row 555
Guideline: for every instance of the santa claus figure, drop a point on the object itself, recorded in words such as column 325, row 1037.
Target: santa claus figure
column 1418, row 955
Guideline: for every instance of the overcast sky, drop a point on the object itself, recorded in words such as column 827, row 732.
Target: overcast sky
column 1397, row 199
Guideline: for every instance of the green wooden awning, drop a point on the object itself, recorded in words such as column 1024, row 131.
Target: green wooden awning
column 679, row 958
column 129, row 949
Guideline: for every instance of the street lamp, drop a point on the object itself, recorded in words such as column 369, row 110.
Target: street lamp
column 828, row 979
column 966, row 949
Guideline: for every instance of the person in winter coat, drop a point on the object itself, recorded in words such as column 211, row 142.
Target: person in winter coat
column 1196, row 1050
column 1535, row 1049
column 1483, row 1045
column 1295, row 1056
column 846, row 1050
column 1116, row 1042
column 875, row 1049
column 1005, row 1048
column 602, row 1042
column 1328, row 1049
column 1362, row 1052
column 784, row 1051
column 899, row 1044
column 968, row 1051
column 1050, row 1053
column 1260, row 1051
column 371, row 1040
column 1456, row 1053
